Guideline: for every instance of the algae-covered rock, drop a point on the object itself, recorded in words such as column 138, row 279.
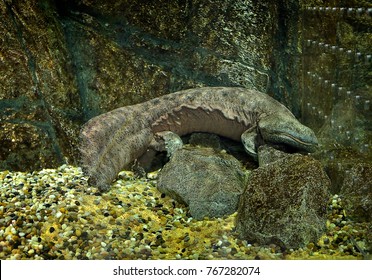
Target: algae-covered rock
column 284, row 203
column 209, row 182
column 356, row 191
column 350, row 174
column 39, row 102
column 267, row 154
column 337, row 160
column 21, row 144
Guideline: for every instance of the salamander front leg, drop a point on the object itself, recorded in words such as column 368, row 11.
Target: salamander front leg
column 167, row 141
column 250, row 140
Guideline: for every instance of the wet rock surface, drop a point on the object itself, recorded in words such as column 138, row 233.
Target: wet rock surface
column 356, row 191
column 350, row 175
column 284, row 203
column 39, row 100
column 209, row 182
column 267, row 154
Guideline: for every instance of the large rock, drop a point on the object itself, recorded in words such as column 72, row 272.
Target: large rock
column 267, row 154
column 209, row 182
column 284, row 203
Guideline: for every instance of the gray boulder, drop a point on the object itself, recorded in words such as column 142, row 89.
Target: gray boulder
column 208, row 181
column 284, row 203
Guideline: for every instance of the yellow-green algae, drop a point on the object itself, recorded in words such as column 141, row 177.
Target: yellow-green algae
column 54, row 214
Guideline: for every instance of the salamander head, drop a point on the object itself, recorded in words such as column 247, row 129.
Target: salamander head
column 288, row 131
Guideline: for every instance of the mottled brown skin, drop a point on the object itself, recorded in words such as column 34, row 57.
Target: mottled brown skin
column 109, row 142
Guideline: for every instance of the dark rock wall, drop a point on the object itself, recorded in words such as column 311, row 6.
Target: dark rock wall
column 284, row 202
column 39, row 106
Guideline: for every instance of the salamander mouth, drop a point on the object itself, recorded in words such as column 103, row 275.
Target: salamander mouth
column 299, row 143
column 298, row 140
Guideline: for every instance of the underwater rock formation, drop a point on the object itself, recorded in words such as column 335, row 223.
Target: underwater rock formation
column 284, row 203
column 39, row 102
column 350, row 175
column 209, row 182
column 267, row 154
column 356, row 191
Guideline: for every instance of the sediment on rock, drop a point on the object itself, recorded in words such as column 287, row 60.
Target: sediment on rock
column 284, row 203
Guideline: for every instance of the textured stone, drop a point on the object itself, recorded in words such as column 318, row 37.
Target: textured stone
column 337, row 161
column 349, row 126
column 39, row 103
column 350, row 175
column 209, row 182
column 356, row 191
column 21, row 144
column 267, row 154
column 284, row 203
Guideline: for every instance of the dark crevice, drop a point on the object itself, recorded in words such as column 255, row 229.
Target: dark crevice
column 284, row 58
column 83, row 72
